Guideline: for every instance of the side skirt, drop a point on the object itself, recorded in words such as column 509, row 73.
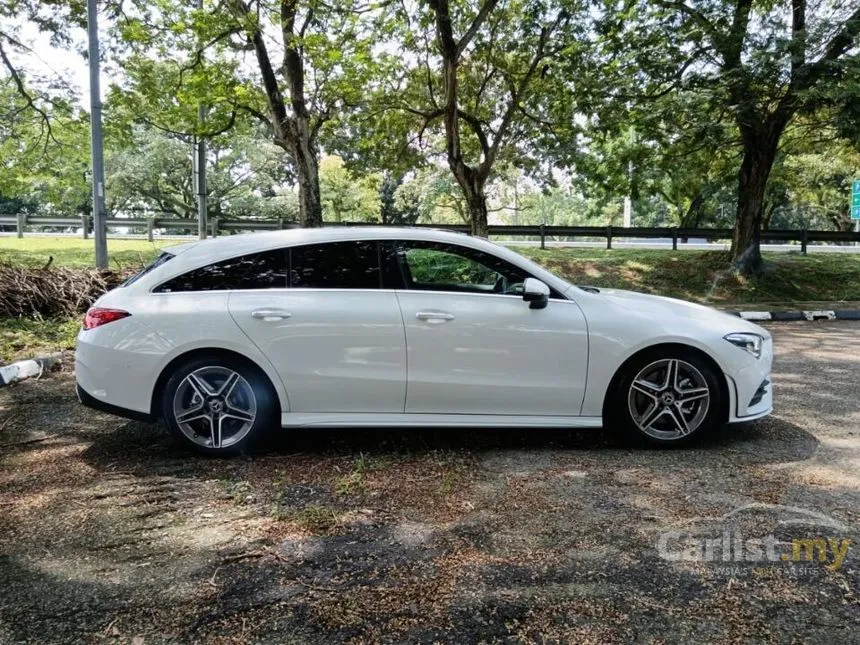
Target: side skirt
column 365, row 420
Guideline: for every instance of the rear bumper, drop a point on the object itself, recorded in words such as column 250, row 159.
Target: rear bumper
column 92, row 402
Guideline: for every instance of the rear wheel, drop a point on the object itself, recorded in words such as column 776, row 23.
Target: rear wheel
column 667, row 398
column 218, row 405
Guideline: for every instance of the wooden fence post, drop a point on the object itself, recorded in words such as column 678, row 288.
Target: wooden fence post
column 20, row 224
column 149, row 227
column 542, row 236
column 609, row 237
column 85, row 221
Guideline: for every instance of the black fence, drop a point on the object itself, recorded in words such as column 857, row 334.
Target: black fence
column 147, row 226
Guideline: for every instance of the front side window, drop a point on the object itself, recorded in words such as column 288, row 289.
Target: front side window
column 447, row 267
column 336, row 265
column 265, row 270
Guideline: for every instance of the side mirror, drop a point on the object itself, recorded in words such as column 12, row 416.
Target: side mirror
column 536, row 293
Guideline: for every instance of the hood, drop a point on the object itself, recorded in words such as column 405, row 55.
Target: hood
column 665, row 307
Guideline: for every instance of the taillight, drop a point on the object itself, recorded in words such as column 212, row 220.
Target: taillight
column 98, row 316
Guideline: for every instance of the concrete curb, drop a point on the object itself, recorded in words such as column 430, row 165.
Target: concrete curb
column 822, row 314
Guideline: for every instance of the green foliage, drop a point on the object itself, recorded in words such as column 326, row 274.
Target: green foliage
column 345, row 197
column 246, row 176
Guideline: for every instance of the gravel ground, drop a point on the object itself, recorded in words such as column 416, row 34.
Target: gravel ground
column 109, row 533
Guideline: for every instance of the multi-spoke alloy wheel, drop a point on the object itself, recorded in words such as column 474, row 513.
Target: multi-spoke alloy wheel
column 217, row 405
column 669, row 399
column 214, row 407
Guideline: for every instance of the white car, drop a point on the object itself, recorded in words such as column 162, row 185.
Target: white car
column 226, row 338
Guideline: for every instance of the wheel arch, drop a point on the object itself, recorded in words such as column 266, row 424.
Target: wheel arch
column 722, row 379
column 203, row 352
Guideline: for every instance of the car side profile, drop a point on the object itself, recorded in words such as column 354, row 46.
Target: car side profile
column 228, row 337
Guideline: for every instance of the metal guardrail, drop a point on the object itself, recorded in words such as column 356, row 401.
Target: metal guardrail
column 21, row 221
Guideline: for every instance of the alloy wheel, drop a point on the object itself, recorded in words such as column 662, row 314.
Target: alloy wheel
column 215, row 407
column 669, row 399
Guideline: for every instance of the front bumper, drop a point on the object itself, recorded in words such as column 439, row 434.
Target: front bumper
column 752, row 387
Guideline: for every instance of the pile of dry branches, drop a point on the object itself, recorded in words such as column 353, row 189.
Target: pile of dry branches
column 51, row 291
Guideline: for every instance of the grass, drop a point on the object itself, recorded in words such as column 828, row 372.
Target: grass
column 77, row 252
column 26, row 338
column 703, row 276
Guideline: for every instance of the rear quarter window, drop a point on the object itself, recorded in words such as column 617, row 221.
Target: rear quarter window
column 265, row 270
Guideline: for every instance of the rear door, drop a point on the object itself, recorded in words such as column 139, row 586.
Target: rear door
column 334, row 336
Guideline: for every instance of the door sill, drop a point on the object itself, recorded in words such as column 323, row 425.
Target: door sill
column 390, row 419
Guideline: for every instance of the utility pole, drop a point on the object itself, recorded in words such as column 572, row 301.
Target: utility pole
column 628, row 199
column 99, row 211
column 199, row 165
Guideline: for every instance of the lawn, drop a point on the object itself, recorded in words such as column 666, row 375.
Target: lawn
column 703, row 276
column 77, row 252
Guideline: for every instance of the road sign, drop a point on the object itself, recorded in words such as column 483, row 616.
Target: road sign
column 855, row 199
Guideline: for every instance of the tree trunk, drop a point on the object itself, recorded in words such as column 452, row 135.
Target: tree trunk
column 478, row 215
column 759, row 156
column 307, row 170
column 472, row 185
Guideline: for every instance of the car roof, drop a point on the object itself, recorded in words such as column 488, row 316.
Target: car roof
column 234, row 245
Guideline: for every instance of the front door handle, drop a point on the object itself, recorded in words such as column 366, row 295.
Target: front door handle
column 434, row 316
column 269, row 315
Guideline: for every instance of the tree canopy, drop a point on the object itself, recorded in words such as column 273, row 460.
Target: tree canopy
column 719, row 113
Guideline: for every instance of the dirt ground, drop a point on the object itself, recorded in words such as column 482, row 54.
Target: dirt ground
column 108, row 532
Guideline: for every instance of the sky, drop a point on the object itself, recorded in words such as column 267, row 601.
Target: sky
column 48, row 61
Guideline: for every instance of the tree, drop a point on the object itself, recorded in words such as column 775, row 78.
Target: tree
column 759, row 64
column 395, row 207
column 346, row 197
column 317, row 66
column 152, row 174
column 479, row 72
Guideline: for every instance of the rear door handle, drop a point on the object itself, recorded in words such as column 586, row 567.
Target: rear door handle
column 269, row 315
column 434, row 316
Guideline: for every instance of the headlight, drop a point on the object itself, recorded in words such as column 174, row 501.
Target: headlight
column 749, row 342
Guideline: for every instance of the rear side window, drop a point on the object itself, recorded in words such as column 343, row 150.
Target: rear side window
column 336, row 265
column 266, row 270
column 161, row 259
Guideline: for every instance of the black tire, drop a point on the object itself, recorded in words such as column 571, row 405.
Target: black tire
column 679, row 419
column 252, row 394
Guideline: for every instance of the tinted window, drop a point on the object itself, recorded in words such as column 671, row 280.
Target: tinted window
column 266, row 270
column 447, row 267
column 338, row 265
column 161, row 259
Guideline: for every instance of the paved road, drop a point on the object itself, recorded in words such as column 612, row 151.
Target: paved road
column 107, row 532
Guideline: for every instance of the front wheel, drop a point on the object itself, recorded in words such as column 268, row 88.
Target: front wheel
column 218, row 405
column 668, row 398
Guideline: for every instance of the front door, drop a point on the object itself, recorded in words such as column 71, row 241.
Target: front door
column 475, row 347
